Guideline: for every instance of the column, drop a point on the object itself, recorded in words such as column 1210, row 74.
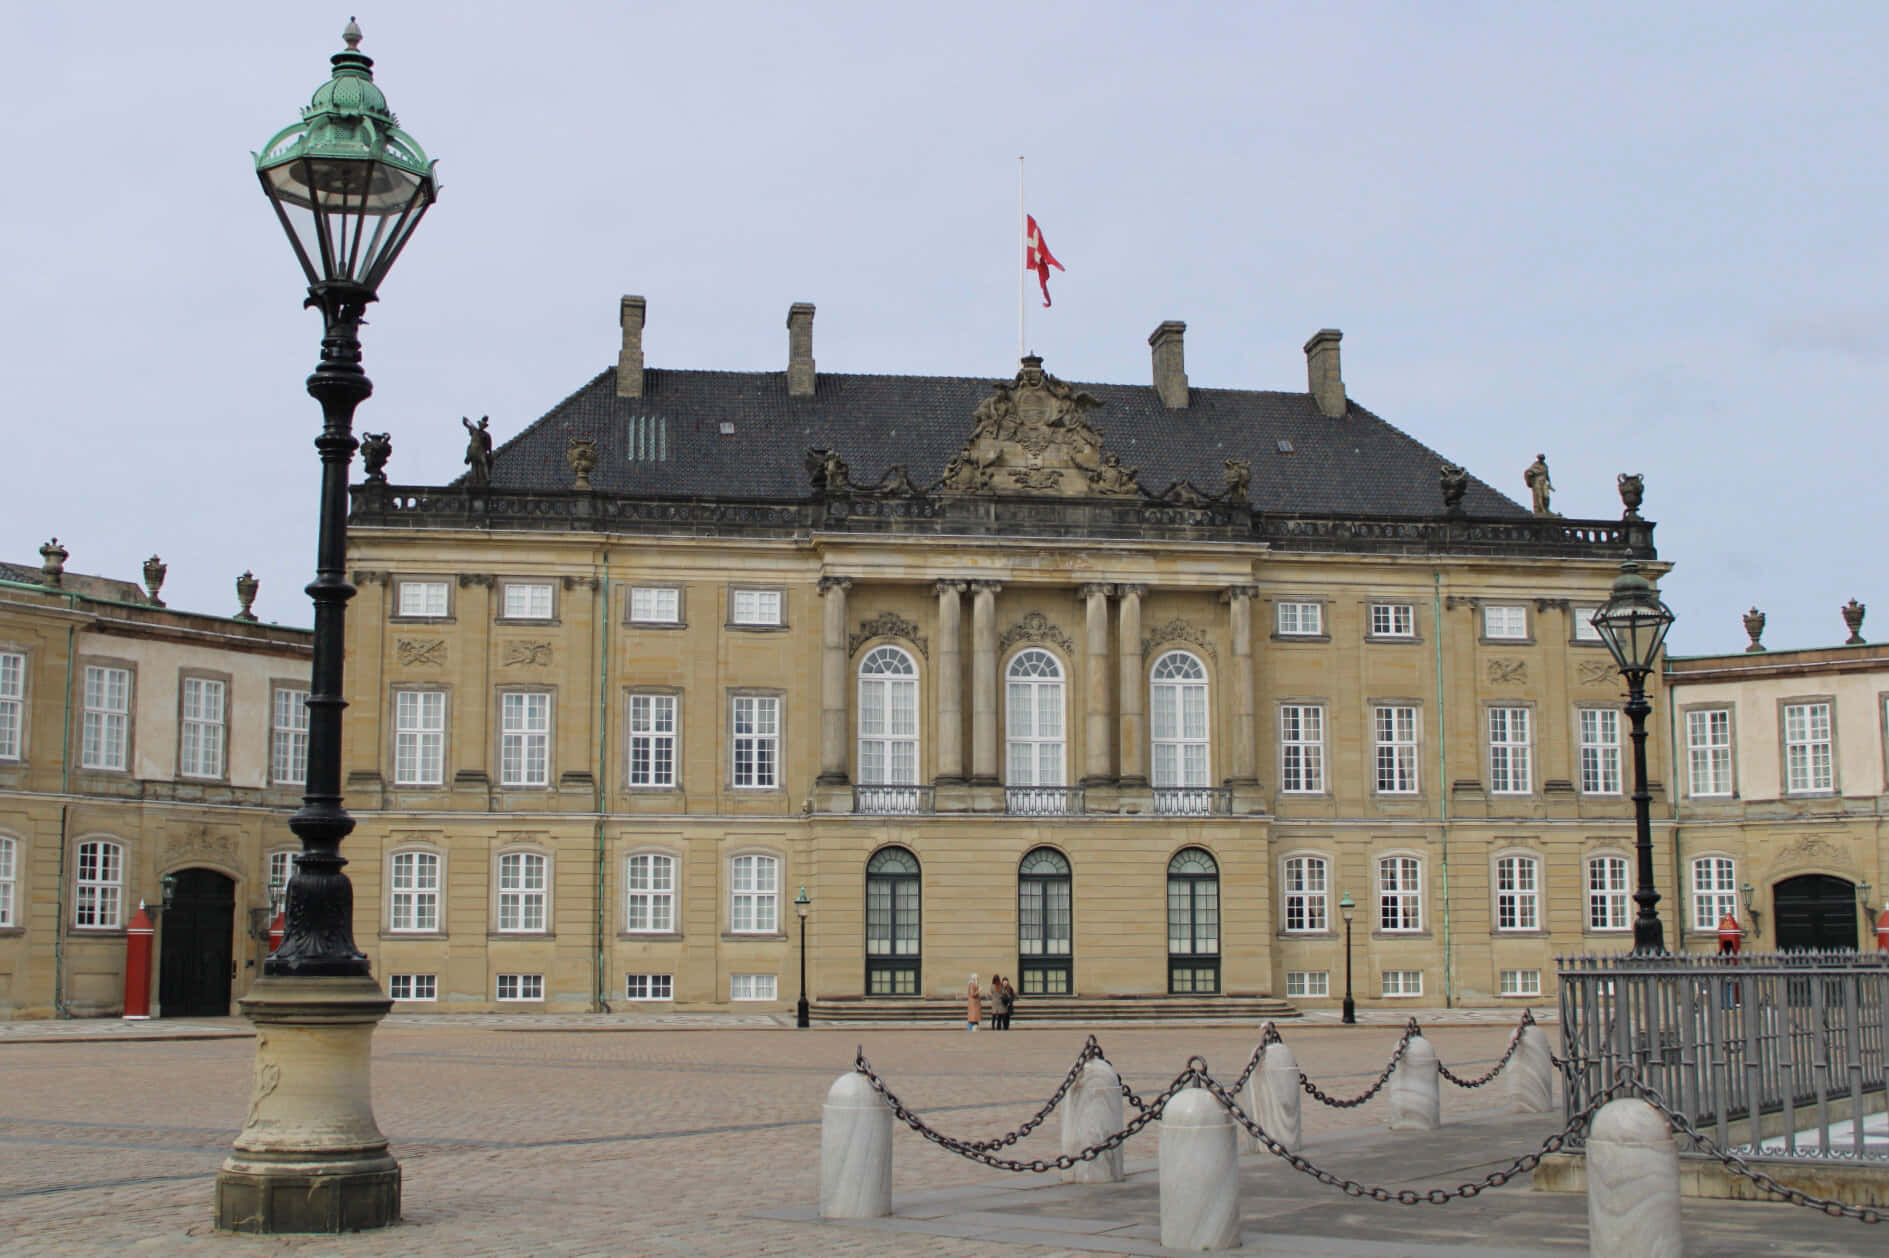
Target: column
column 1134, row 750
column 984, row 682
column 1098, row 716
column 950, row 685
column 833, row 681
column 1239, row 601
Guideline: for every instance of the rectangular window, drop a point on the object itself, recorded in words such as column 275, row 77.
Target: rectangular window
column 650, row 886
column 1399, row 893
column 1600, row 751
column 413, row 892
column 281, row 869
column 1517, row 893
column 652, row 740
column 757, row 607
column 1584, row 630
column 288, row 737
column 649, row 987
column 524, row 739
column 419, row 737
column 521, row 893
column 1714, row 891
column 107, row 725
column 200, row 737
column 1308, row 983
column 413, row 987
column 1521, row 982
column 12, row 704
column 756, row 741
column 9, row 879
column 1807, row 747
column 1301, row 748
column 422, row 598
column 521, row 987
column 527, row 601
column 755, row 895
column 751, row 986
column 1402, row 982
column 655, row 604
column 1396, row 732
column 1709, row 751
column 1607, row 893
column 99, row 902
column 1510, row 759
column 1305, row 882
column 1393, row 620
column 1505, row 621
column 1297, row 620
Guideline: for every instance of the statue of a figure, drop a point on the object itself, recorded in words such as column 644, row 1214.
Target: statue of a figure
column 1239, row 479
column 478, row 451
column 1536, row 478
column 828, row 471
column 1455, row 481
column 1632, row 493
column 376, row 449
column 1111, row 477
column 896, row 482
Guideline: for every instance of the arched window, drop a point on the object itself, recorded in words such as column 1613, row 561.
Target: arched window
column 1193, row 923
column 1033, row 703
column 9, row 877
column 1607, row 893
column 888, row 718
column 1517, row 893
column 100, row 886
column 1714, row 891
column 1306, row 881
column 1177, row 715
column 892, row 923
column 413, row 884
column 1044, row 923
column 1399, row 893
column 523, row 893
column 649, row 884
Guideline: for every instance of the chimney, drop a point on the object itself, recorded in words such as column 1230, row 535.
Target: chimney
column 800, row 349
column 630, row 357
column 1170, row 367
column 1321, row 366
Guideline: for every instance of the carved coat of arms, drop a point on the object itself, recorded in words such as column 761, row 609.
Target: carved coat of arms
column 1032, row 436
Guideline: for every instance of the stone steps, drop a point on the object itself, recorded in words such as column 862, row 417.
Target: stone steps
column 1035, row 1010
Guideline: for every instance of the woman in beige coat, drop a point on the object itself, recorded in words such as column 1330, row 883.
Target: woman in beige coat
column 973, row 1006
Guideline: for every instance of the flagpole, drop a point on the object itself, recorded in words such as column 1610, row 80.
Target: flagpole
column 1022, row 244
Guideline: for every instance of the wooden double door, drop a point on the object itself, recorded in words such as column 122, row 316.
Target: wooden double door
column 197, row 962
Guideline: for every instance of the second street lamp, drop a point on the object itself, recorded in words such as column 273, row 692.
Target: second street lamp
column 803, row 905
column 1346, row 907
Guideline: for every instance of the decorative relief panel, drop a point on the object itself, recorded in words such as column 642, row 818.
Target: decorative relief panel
column 1508, row 672
column 888, row 625
column 1179, row 630
column 1808, row 851
column 1597, row 673
column 1036, row 627
column 528, row 654
column 421, row 652
column 199, row 842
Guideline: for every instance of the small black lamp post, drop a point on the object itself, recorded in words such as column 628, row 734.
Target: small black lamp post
column 1346, row 907
column 803, row 904
column 1633, row 623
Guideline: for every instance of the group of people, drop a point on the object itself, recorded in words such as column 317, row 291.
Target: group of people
column 1003, row 999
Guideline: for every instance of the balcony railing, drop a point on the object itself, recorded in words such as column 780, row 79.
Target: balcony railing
column 1043, row 801
column 1193, row 801
column 892, row 801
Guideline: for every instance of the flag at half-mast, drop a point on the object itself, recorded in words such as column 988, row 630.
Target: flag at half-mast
column 1037, row 257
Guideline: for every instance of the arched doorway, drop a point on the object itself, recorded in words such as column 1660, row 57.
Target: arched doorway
column 1193, row 923
column 892, row 923
column 1044, row 921
column 1814, row 911
column 194, row 970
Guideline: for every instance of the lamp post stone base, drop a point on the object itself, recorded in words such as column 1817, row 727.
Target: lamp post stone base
column 310, row 1157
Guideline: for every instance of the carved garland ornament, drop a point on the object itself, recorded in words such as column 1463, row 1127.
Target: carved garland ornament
column 1036, row 627
column 1179, row 630
column 529, row 654
column 888, row 625
column 1508, row 672
column 1595, row 673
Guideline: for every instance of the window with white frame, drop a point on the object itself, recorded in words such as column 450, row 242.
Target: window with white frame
column 1600, row 751
column 1505, row 621
column 1033, row 714
column 1807, row 762
column 1606, row 893
column 413, row 987
column 1308, row 983
column 522, row 892
column 1177, row 711
column 422, row 598
column 1393, row 620
column 1399, row 893
column 1394, row 727
column 12, row 704
column 1306, row 883
column 1714, row 891
column 754, row 895
column 649, row 883
column 200, row 734
column 105, row 733
column 9, row 879
column 99, row 899
column 1584, row 630
column 655, row 604
column 1517, row 893
column 413, row 892
column 1709, row 751
column 756, row 607
column 521, row 987
column 281, row 869
column 419, row 737
column 524, row 738
column 652, row 740
column 756, row 741
column 1401, row 982
column 649, row 987
column 1299, row 620
column 527, row 600
column 1510, row 752
column 888, row 718
column 752, row 986
column 288, row 736
column 1520, row 983
column 1301, row 748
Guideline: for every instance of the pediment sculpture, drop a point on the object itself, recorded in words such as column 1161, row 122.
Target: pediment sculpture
column 1032, row 436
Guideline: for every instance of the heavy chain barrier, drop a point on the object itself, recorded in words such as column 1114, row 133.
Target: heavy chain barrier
column 1411, row 1031
column 1515, row 1042
column 1091, row 1051
column 1271, row 1037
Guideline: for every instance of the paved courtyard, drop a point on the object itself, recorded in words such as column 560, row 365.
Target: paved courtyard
column 609, row 1137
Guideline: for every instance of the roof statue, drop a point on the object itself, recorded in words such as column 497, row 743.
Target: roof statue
column 1031, row 437
column 1536, row 478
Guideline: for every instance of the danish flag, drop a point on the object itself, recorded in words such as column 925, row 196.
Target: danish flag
column 1037, row 257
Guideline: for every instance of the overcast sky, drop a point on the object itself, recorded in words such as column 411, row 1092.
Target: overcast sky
column 1635, row 237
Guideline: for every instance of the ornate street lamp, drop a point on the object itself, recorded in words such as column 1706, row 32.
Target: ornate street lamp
column 803, row 905
column 1633, row 623
column 1346, row 907
column 349, row 188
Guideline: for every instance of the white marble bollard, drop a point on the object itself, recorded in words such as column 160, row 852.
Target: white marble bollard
column 1531, row 1073
column 855, row 1151
column 1632, row 1184
column 1272, row 1098
column 1200, row 1173
column 1416, row 1096
column 1092, row 1112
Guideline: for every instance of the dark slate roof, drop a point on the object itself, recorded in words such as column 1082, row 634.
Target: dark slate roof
column 80, row 583
column 1357, row 465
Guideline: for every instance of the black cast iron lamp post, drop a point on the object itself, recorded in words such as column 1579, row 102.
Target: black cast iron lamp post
column 1633, row 623
column 349, row 188
column 1346, row 907
column 803, row 905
